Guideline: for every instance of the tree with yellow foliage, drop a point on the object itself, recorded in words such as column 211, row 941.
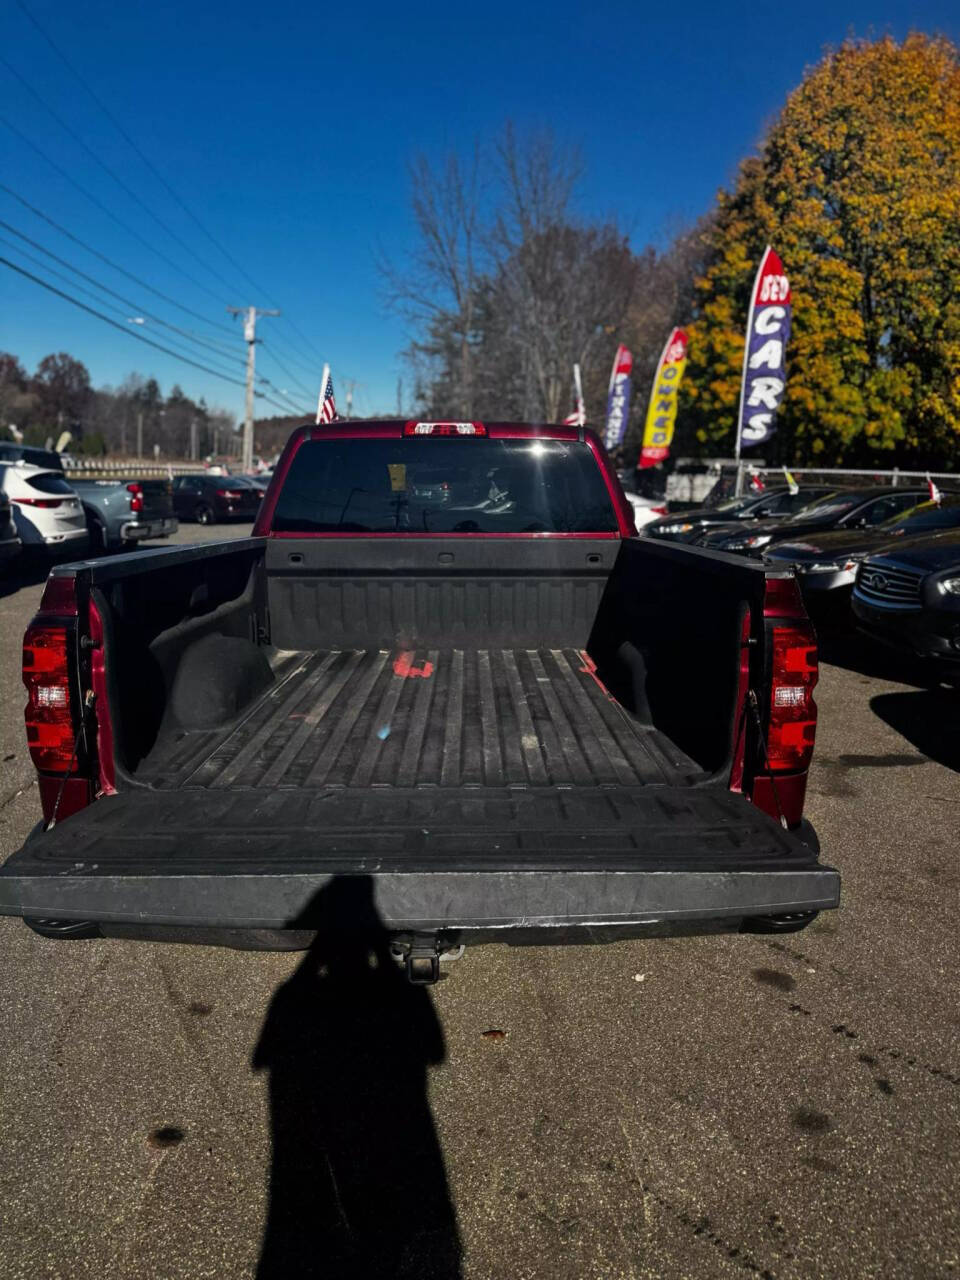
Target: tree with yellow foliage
column 857, row 187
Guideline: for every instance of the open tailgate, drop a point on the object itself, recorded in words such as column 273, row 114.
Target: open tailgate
column 473, row 859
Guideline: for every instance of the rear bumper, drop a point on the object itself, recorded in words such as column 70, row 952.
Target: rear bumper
column 136, row 530
column 466, row 905
column 923, row 632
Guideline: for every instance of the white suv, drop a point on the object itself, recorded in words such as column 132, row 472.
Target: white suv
column 48, row 514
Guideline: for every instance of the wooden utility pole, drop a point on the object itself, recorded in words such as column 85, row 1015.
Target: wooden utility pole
column 251, row 315
column 139, row 433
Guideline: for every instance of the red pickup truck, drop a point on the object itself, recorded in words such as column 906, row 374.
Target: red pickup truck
column 443, row 668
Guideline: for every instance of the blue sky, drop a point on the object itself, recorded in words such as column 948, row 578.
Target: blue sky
column 287, row 129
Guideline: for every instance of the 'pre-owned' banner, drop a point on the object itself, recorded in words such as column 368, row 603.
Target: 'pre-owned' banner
column 764, row 368
column 618, row 399
column 662, row 413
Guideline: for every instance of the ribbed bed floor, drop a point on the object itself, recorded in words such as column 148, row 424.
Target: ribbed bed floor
column 441, row 717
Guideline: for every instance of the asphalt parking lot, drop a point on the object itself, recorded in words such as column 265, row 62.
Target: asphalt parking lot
column 713, row 1106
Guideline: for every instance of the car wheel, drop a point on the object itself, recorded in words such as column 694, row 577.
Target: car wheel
column 99, row 544
column 204, row 514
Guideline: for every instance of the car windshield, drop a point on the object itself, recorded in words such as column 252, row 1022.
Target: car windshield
column 928, row 515
column 444, row 485
column 738, row 504
column 48, row 482
column 835, row 504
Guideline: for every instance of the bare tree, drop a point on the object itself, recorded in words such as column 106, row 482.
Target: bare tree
column 439, row 291
column 564, row 284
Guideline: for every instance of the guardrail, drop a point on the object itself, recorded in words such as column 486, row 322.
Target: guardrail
column 109, row 468
column 849, row 475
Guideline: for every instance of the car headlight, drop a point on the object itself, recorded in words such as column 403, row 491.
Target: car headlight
column 672, row 528
column 742, row 544
column 949, row 586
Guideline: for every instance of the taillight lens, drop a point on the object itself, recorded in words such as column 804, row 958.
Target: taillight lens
column 793, row 712
column 46, row 675
column 233, row 494
column 136, row 497
column 45, row 504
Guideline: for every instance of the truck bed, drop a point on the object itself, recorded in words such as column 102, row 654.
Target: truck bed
column 428, row 718
column 527, row 794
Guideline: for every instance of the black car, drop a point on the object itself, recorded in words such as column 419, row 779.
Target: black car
column 207, row 499
column 826, row 563
column 689, row 526
column 842, row 509
column 909, row 596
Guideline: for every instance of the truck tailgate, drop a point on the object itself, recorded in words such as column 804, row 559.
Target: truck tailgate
column 484, row 858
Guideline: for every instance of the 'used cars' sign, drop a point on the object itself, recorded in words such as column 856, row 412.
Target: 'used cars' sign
column 764, row 367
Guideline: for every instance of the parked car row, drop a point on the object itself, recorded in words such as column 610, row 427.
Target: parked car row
column 885, row 559
column 46, row 514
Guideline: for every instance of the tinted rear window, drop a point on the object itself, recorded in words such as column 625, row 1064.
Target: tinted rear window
column 48, row 483
column 929, row 515
column 443, row 485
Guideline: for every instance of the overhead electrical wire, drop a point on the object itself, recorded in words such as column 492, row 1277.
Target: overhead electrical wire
column 283, row 369
column 137, row 309
column 97, row 203
column 315, row 352
column 139, row 337
column 58, row 275
column 151, row 213
column 114, row 266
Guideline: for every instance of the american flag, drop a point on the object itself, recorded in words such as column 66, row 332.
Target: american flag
column 579, row 416
column 326, row 405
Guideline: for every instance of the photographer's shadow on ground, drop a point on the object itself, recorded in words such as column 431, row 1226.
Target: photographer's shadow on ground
column 357, row 1182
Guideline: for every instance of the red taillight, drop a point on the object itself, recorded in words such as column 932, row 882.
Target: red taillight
column 45, row 504
column 444, row 429
column 793, row 712
column 136, row 496
column 46, row 675
column 659, row 511
column 232, row 494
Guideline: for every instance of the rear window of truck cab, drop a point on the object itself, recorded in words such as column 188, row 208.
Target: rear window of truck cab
column 444, row 485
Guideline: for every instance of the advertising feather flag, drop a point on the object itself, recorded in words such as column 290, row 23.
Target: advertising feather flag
column 618, row 399
column 764, row 369
column 662, row 411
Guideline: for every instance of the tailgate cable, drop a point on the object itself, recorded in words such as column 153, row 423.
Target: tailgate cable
column 88, row 701
column 755, row 708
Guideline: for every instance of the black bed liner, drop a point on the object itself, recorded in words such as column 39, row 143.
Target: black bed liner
column 446, row 717
column 483, row 793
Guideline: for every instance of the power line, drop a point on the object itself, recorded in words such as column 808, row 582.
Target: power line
column 197, row 315
column 131, row 334
column 280, row 392
column 283, row 369
column 120, row 182
column 104, row 209
column 134, row 306
column 58, row 275
column 158, row 175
